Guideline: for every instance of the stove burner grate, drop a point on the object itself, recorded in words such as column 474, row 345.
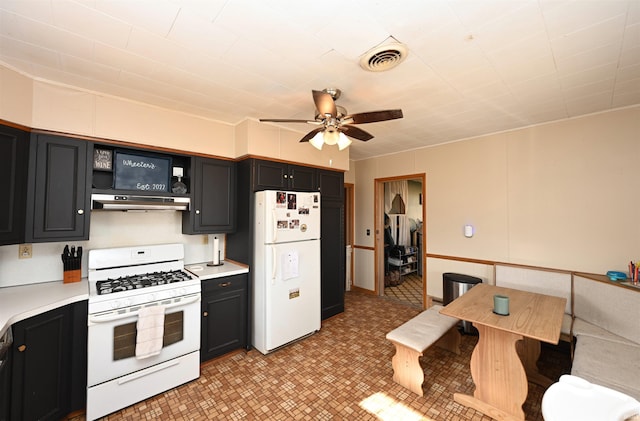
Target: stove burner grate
column 140, row 281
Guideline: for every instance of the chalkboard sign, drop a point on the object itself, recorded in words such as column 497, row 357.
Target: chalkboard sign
column 142, row 172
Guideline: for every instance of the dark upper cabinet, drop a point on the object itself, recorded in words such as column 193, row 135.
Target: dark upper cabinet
column 270, row 175
column 49, row 354
column 14, row 160
column 213, row 197
column 59, row 189
column 224, row 316
column 331, row 185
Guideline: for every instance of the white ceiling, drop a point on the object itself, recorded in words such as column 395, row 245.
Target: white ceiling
column 474, row 67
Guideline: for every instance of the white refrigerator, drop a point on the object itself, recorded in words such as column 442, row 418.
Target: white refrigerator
column 286, row 279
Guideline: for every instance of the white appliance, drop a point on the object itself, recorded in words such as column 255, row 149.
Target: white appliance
column 125, row 284
column 286, row 280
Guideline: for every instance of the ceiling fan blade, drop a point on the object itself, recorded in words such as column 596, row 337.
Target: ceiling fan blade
column 373, row 116
column 312, row 133
column 324, row 103
column 356, row 133
column 285, row 120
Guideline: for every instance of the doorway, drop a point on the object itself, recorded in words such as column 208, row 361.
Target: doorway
column 400, row 265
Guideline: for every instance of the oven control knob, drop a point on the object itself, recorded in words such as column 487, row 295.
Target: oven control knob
column 116, row 304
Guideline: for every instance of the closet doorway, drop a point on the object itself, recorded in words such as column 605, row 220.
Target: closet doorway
column 400, row 241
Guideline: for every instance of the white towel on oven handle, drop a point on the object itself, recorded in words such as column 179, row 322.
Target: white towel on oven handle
column 150, row 331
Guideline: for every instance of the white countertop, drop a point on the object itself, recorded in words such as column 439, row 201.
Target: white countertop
column 228, row 268
column 21, row 302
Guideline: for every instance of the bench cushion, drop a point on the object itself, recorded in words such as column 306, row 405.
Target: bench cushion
column 607, row 306
column 608, row 363
column 423, row 330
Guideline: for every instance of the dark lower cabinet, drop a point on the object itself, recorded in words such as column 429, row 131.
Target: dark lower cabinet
column 48, row 379
column 5, row 384
column 14, row 159
column 333, row 261
column 224, row 316
column 59, row 193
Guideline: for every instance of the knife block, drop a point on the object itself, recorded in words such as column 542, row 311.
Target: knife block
column 71, row 276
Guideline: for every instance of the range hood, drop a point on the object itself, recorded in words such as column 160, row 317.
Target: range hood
column 125, row 202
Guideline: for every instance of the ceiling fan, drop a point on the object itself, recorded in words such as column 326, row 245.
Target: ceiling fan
column 334, row 122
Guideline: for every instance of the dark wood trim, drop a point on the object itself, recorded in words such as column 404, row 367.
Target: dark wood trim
column 363, row 290
column 363, row 247
column 128, row 144
column 592, row 276
column 460, row 259
column 418, row 176
column 544, row 269
column 605, row 279
column 15, row 125
column 284, row 161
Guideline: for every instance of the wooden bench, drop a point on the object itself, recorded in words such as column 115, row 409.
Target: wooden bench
column 412, row 338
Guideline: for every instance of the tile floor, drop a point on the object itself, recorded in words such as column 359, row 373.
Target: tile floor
column 410, row 290
column 343, row 372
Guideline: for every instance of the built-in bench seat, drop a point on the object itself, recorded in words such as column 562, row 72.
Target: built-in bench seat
column 600, row 317
column 413, row 337
column 607, row 332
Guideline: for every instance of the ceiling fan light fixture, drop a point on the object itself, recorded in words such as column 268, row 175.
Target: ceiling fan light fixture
column 317, row 141
column 331, row 137
column 343, row 141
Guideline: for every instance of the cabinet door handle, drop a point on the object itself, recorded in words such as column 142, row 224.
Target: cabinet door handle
column 286, row 176
column 197, row 211
column 205, row 314
column 224, row 284
column 21, row 348
column 80, row 211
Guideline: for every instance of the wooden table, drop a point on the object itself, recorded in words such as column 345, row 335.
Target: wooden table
column 508, row 346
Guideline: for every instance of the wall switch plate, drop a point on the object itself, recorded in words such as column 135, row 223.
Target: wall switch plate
column 25, row 251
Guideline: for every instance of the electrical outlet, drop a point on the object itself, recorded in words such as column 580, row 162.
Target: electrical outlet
column 25, row 251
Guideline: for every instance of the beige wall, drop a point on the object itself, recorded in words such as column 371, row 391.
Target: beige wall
column 255, row 138
column 44, row 105
column 558, row 195
column 16, row 97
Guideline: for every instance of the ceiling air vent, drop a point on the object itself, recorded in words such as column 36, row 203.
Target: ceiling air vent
column 384, row 57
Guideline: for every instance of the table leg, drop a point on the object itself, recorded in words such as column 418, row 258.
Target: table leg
column 529, row 352
column 500, row 378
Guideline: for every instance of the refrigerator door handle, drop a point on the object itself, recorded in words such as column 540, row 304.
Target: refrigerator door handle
column 275, row 268
column 274, row 214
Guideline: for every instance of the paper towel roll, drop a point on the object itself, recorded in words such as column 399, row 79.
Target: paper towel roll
column 216, row 251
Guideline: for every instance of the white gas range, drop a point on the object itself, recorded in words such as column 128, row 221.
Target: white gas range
column 144, row 325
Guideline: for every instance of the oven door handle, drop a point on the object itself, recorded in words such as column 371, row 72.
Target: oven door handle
column 109, row 317
column 139, row 374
